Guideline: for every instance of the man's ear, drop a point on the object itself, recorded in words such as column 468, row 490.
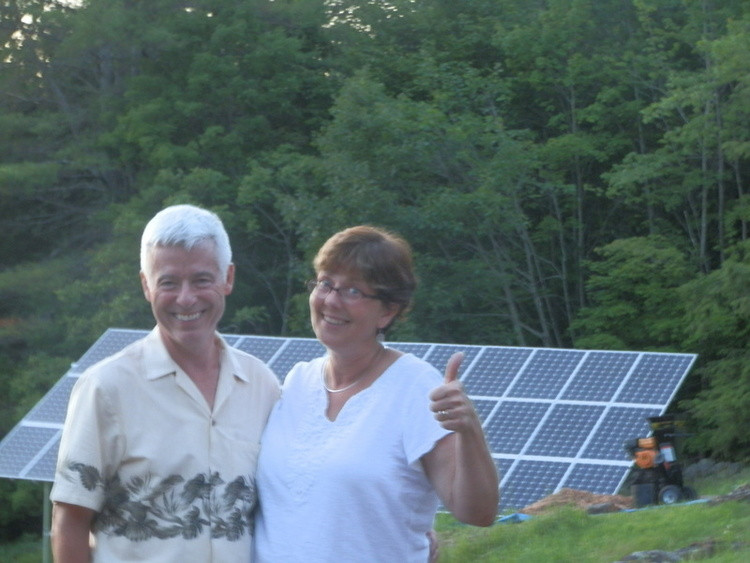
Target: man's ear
column 229, row 284
column 144, row 286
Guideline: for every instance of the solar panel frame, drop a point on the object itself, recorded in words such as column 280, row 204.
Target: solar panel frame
column 553, row 418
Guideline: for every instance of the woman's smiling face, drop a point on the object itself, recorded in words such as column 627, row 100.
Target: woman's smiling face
column 340, row 322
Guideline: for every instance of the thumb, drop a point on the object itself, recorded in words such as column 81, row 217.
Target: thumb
column 451, row 368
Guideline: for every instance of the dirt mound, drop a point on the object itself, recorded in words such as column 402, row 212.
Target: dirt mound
column 580, row 499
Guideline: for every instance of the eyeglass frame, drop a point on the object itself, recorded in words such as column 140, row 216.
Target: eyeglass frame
column 314, row 286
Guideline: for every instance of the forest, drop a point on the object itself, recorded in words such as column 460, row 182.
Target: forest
column 570, row 174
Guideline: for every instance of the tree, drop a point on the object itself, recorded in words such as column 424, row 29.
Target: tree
column 47, row 186
column 716, row 317
column 686, row 178
column 634, row 300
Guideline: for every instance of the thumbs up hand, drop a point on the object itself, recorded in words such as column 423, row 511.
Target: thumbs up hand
column 452, row 366
column 452, row 408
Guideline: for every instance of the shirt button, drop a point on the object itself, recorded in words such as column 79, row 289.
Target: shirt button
column 213, row 422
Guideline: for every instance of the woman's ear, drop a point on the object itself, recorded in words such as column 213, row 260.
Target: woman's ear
column 391, row 311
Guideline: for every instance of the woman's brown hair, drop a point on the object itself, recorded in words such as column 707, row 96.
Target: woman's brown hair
column 382, row 259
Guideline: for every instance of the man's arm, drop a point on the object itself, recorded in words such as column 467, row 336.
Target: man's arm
column 71, row 525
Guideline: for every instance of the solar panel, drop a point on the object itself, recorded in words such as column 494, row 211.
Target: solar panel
column 600, row 376
column 545, row 374
column 493, row 372
column 560, row 433
column 534, row 479
column 553, row 418
column 512, row 425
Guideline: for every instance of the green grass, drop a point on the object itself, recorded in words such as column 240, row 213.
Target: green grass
column 720, row 483
column 569, row 534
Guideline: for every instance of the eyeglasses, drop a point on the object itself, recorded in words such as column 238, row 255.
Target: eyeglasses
column 347, row 294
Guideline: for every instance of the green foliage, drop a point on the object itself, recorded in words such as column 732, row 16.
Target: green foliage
column 721, row 482
column 569, row 534
column 718, row 306
column 717, row 320
column 634, row 300
column 721, row 411
column 23, row 503
column 27, row 549
column 30, row 380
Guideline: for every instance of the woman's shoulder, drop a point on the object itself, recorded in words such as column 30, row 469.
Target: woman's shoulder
column 418, row 370
column 303, row 373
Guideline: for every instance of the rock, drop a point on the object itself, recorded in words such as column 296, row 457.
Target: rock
column 707, row 467
column 702, row 468
column 693, row 552
column 701, row 550
column 602, row 508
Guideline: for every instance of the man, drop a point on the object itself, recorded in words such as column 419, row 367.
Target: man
column 157, row 458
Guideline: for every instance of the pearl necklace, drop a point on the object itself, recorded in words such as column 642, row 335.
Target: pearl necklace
column 347, row 387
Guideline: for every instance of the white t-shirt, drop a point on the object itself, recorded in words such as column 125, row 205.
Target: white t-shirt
column 170, row 478
column 352, row 489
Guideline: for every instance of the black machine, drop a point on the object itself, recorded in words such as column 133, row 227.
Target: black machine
column 657, row 475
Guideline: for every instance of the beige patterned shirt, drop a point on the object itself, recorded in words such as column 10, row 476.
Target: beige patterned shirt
column 170, row 479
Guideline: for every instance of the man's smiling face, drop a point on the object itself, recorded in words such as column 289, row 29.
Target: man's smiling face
column 187, row 292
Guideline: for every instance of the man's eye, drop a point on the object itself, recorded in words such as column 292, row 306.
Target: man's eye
column 325, row 285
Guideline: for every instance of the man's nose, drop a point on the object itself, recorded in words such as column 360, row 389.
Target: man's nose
column 186, row 295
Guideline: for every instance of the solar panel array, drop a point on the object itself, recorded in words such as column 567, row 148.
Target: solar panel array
column 553, row 418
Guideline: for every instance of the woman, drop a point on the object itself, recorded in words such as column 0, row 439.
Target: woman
column 366, row 439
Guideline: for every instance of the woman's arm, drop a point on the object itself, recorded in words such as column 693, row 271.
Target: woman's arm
column 460, row 466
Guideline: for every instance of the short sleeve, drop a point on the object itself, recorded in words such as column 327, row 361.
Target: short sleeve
column 88, row 447
column 421, row 430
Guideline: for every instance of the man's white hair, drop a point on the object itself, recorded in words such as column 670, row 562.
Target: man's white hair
column 185, row 226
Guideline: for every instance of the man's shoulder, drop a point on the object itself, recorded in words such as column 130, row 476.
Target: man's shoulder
column 125, row 360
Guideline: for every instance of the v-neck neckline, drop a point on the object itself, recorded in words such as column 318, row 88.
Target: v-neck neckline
column 357, row 397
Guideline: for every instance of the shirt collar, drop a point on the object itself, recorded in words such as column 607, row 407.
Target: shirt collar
column 158, row 363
